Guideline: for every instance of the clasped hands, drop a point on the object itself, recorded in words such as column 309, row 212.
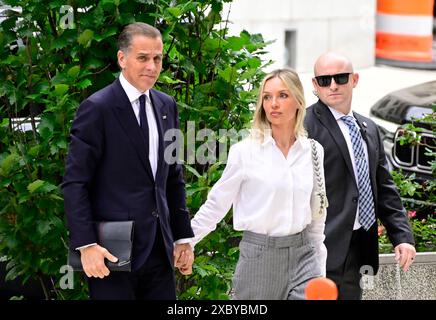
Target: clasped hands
column 183, row 258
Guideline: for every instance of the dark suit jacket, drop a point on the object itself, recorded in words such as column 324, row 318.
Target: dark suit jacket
column 108, row 175
column 342, row 191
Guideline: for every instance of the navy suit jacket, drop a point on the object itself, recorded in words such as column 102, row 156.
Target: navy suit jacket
column 342, row 190
column 108, row 175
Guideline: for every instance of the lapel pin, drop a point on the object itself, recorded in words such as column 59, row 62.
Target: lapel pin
column 164, row 117
column 364, row 124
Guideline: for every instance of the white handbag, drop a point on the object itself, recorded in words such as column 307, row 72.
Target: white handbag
column 318, row 201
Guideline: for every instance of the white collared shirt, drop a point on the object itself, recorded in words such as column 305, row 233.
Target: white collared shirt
column 153, row 137
column 270, row 194
column 346, row 133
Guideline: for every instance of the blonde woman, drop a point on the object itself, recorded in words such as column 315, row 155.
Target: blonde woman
column 268, row 181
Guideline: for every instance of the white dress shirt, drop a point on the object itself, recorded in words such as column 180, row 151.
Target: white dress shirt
column 153, row 134
column 346, row 133
column 270, row 194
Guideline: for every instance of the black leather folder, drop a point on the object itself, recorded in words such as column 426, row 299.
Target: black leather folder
column 117, row 238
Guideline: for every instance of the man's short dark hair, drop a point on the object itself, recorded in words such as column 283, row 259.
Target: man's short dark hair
column 134, row 29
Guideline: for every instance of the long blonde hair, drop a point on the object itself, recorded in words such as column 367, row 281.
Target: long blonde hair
column 291, row 80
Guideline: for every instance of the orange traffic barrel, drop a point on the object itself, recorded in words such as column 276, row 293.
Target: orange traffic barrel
column 404, row 30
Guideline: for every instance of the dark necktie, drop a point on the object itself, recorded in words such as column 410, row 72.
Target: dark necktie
column 366, row 201
column 143, row 120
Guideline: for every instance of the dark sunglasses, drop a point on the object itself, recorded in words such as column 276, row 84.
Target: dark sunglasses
column 340, row 78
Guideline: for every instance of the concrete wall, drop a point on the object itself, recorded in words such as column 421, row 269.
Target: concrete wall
column 391, row 283
column 347, row 26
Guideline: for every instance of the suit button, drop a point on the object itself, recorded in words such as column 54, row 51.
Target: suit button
column 355, row 199
column 155, row 213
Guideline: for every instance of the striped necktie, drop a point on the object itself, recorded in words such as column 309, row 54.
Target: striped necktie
column 366, row 201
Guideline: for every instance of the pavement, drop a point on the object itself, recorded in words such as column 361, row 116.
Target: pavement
column 374, row 83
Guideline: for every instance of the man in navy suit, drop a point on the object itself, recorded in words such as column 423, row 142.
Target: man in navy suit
column 359, row 188
column 116, row 171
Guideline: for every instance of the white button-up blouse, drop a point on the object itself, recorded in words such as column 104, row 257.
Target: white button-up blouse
column 270, row 194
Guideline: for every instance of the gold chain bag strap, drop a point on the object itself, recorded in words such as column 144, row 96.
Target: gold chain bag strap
column 319, row 200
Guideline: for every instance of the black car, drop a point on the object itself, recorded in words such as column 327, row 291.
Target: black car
column 392, row 113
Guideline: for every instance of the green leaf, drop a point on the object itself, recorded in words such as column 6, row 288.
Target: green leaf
column 40, row 186
column 236, row 43
column 186, row 106
column 192, row 170
column 9, row 23
column 85, row 38
column 110, row 2
column 9, row 163
column 73, row 72
column 174, row 11
column 35, row 185
column 201, row 272
column 206, row 109
column 254, row 62
column 166, row 34
column 61, row 89
column 62, row 144
column 33, row 151
column 42, row 87
column 168, row 80
column 13, row 273
column 46, row 127
column 5, row 182
column 6, row 88
column 229, row 74
column 210, row 268
column 192, row 191
column 59, row 43
column 250, row 73
column 213, row 44
column 214, row 167
column 232, row 251
column 111, row 31
column 188, row 66
column 56, row 197
column 85, row 83
column 55, row 4
column 23, row 198
column 223, row 296
column 93, row 63
column 43, row 227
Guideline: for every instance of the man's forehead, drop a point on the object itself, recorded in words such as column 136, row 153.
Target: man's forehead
column 328, row 66
column 149, row 52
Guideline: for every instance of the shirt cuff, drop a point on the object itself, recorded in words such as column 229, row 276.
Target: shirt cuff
column 184, row 240
column 86, row 246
